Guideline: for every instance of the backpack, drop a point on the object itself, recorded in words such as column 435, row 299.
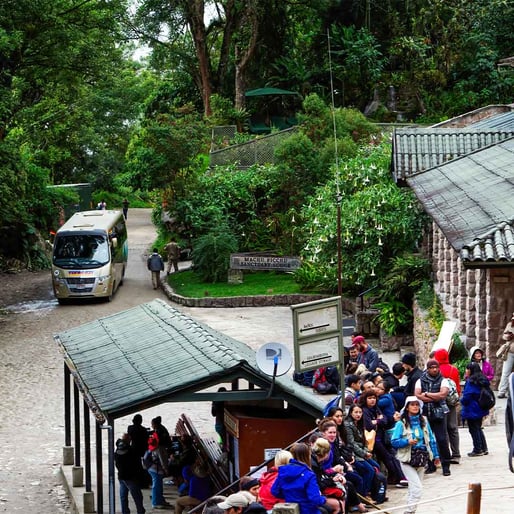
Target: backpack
column 486, row 400
column 321, row 384
column 334, row 402
column 147, row 460
column 453, row 396
column 304, row 378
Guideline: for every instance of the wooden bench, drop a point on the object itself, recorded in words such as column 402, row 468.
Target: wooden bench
column 208, row 450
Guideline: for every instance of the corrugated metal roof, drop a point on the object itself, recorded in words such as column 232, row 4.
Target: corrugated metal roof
column 503, row 122
column 469, row 196
column 418, row 149
column 144, row 355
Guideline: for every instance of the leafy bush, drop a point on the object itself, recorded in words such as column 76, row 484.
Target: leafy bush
column 211, row 254
column 394, row 317
column 429, row 301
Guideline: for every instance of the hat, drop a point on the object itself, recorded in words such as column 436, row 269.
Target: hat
column 234, row 500
column 409, row 359
column 432, row 362
column 411, row 399
column 122, row 447
column 357, row 340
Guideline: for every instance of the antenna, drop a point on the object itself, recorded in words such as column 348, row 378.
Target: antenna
column 339, row 196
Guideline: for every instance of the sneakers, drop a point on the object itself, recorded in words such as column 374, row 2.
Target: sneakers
column 476, row 454
column 162, row 506
column 401, row 484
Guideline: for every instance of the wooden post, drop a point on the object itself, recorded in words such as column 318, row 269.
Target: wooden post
column 474, row 498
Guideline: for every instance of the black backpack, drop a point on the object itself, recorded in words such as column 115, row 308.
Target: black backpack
column 486, row 400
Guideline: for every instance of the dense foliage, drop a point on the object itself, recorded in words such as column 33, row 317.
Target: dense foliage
column 76, row 107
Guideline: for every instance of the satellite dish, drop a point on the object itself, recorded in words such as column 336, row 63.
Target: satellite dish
column 272, row 353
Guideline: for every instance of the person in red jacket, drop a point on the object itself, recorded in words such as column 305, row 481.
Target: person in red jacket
column 452, row 428
column 268, row 478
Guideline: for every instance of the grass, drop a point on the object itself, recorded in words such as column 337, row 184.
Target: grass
column 187, row 283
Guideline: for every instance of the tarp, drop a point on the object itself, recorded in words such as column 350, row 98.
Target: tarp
column 269, row 91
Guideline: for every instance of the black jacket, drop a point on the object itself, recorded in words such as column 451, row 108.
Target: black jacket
column 128, row 463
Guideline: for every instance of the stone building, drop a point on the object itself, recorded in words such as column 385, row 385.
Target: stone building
column 464, row 178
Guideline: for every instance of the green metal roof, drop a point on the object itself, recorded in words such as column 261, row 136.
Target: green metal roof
column 153, row 353
column 267, row 91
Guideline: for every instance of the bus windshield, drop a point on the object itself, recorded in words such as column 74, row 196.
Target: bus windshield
column 81, row 251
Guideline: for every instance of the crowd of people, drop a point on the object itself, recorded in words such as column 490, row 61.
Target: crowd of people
column 386, row 428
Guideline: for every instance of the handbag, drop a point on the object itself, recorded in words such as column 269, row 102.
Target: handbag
column 418, row 457
column 437, row 410
column 334, row 491
column 503, row 351
column 370, row 436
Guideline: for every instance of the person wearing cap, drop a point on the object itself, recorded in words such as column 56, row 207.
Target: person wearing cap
column 241, row 502
column 432, row 389
column 368, row 356
column 508, row 363
column 412, row 371
column 128, row 463
column 413, row 430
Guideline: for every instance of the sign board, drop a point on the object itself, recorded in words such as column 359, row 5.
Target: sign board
column 445, row 336
column 317, row 334
column 263, row 261
column 269, row 453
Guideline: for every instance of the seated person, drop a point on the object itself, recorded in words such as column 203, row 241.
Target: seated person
column 199, row 487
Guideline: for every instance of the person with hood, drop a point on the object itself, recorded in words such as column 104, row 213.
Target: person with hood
column 128, row 463
column 412, row 371
column 368, row 356
column 412, row 431
column 507, row 357
column 268, row 478
column 471, row 410
column 297, row 483
column 477, row 355
column 452, row 427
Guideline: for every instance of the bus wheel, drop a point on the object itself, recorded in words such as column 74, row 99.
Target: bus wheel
column 122, row 276
column 63, row 301
column 109, row 298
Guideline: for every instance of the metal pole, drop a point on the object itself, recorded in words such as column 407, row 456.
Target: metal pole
column 339, row 199
column 87, row 447
column 76, row 422
column 67, row 406
column 474, row 498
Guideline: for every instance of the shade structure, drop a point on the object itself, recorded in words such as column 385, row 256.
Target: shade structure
column 269, row 91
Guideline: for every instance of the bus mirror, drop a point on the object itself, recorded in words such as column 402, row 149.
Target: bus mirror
column 114, row 242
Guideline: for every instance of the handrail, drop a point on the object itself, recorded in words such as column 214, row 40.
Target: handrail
column 361, row 295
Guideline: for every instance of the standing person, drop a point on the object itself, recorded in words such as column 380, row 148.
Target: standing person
column 432, row 389
column 157, row 470
column 173, row 251
column 413, row 433
column 102, row 205
column 368, row 356
column 128, row 463
column 412, row 371
column 471, row 410
column 297, row 483
column 218, row 411
column 452, row 428
column 125, row 205
column 139, row 441
column 508, row 359
column 155, row 264
column 477, row 355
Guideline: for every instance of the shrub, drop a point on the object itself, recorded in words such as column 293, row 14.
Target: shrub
column 394, row 317
column 211, row 253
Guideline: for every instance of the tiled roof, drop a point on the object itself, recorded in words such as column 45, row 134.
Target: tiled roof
column 151, row 353
column 495, row 248
column 471, row 196
column 418, row 149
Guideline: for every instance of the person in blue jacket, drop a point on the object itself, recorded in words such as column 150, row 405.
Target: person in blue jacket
column 471, row 410
column 297, row 483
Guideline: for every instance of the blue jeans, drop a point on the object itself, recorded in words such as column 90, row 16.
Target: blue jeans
column 157, row 488
column 137, row 495
column 366, row 469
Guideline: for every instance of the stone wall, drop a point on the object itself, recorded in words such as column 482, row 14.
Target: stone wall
column 480, row 300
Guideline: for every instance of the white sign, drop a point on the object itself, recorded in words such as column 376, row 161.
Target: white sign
column 317, row 354
column 269, row 453
column 316, row 322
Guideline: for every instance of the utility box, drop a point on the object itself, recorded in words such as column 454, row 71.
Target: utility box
column 256, row 433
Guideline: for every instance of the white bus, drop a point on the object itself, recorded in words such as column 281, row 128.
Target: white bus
column 90, row 254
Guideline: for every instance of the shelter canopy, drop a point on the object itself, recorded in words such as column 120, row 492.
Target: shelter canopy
column 269, row 91
column 153, row 353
